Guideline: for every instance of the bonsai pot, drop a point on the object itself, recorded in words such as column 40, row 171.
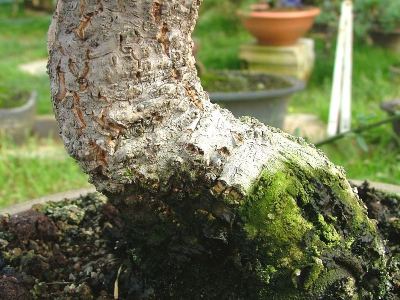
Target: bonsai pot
column 42, row 5
column 17, row 122
column 390, row 40
column 267, row 104
column 393, row 108
column 74, row 194
column 73, row 248
column 279, row 27
column 395, row 72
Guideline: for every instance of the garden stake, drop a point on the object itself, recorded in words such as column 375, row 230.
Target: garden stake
column 340, row 107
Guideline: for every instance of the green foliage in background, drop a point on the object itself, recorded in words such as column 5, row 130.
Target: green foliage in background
column 377, row 15
column 369, row 15
column 373, row 155
column 23, row 40
column 36, row 169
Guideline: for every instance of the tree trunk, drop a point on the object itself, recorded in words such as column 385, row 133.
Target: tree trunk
column 133, row 113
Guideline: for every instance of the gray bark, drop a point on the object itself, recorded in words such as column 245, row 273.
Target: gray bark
column 132, row 110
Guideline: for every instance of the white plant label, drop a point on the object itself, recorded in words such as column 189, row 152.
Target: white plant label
column 340, row 106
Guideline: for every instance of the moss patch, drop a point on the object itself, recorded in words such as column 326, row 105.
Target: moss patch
column 314, row 229
column 272, row 212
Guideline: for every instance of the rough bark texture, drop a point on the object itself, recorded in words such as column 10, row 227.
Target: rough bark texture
column 133, row 113
column 132, row 110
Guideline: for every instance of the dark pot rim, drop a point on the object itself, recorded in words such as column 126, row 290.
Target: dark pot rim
column 395, row 32
column 392, row 106
column 26, row 205
column 395, row 69
column 31, row 102
column 296, row 85
column 73, row 194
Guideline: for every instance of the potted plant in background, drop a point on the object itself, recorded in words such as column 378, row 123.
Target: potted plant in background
column 44, row 5
column 392, row 107
column 378, row 20
column 17, row 113
column 260, row 95
column 381, row 20
column 326, row 24
column 279, row 22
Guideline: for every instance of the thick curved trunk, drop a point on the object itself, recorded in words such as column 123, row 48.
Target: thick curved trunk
column 132, row 110
column 133, row 113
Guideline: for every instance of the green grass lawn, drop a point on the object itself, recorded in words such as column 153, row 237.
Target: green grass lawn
column 24, row 175
column 36, row 169
column 374, row 155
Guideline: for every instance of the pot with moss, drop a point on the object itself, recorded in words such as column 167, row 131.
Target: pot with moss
column 259, row 95
column 17, row 114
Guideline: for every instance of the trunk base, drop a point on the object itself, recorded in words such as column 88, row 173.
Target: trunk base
column 173, row 254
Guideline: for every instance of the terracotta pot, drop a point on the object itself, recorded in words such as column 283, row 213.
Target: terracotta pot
column 279, row 27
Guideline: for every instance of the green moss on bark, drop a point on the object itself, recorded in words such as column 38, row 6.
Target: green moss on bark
column 314, row 229
column 301, row 233
column 271, row 212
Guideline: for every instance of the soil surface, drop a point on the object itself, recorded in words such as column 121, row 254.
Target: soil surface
column 242, row 82
column 77, row 250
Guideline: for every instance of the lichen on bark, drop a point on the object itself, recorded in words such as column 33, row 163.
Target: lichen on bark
column 251, row 201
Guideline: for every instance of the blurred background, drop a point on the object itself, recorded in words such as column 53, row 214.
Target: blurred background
column 33, row 162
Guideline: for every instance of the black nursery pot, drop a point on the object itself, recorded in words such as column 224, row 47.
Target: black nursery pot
column 393, row 108
column 268, row 105
column 17, row 122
